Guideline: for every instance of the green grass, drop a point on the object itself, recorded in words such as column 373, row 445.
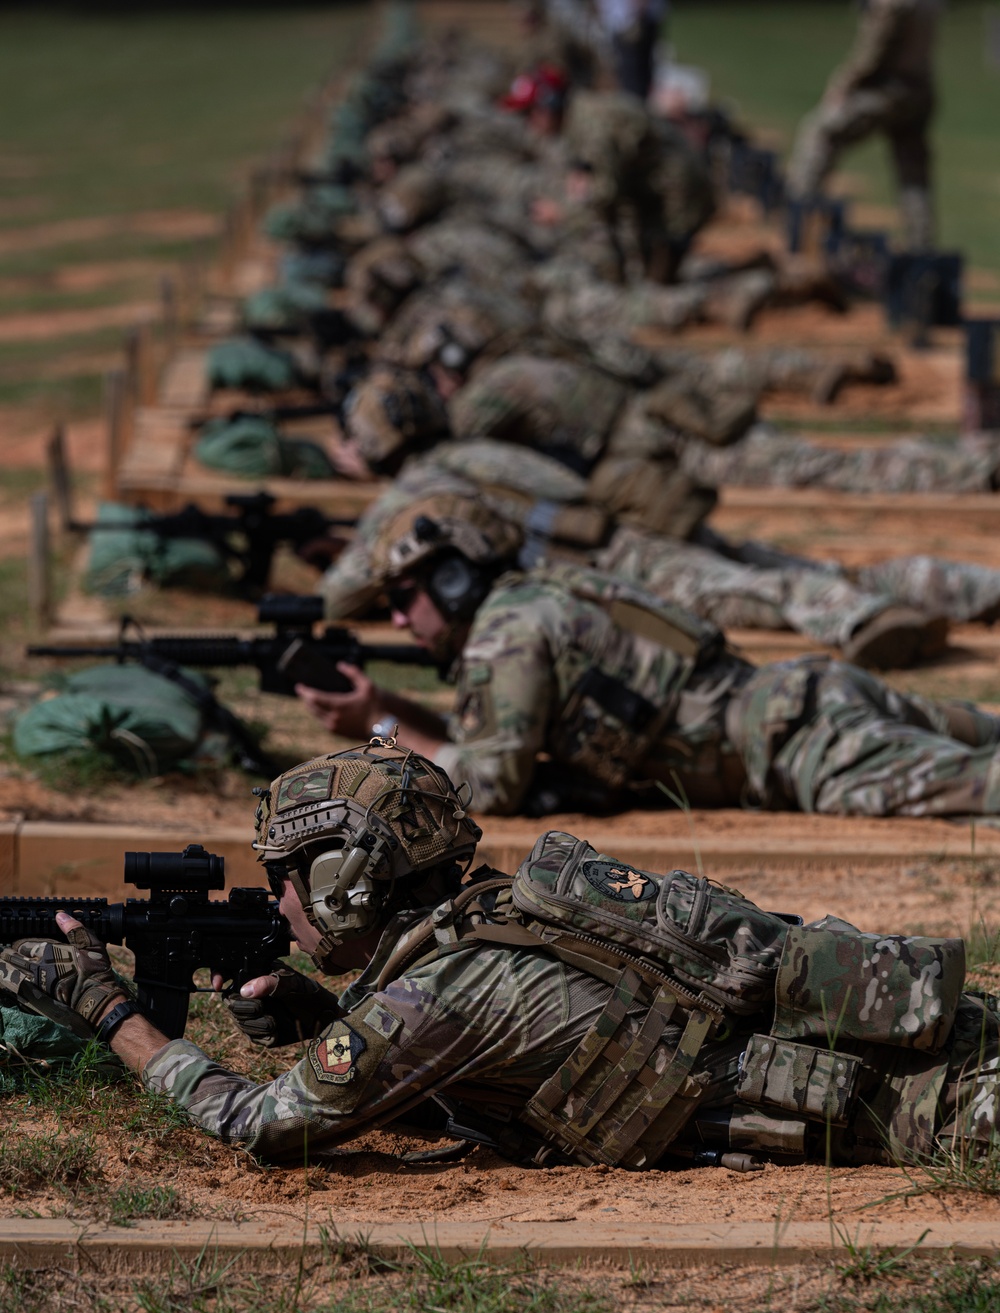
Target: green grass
column 772, row 61
column 925, row 1288
column 130, row 1202
column 107, row 114
column 30, row 1161
column 114, row 113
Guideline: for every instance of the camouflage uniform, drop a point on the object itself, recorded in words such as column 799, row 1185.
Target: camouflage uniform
column 767, row 459
column 821, row 736
column 886, row 85
column 736, row 586
column 807, row 598
column 602, row 318
column 809, row 734
column 644, row 164
column 489, row 1028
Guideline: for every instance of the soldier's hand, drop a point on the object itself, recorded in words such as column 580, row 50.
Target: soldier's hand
column 350, row 714
column 285, row 1007
column 72, row 983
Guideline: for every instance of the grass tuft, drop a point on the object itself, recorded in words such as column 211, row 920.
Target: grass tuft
column 134, row 1201
column 29, row 1161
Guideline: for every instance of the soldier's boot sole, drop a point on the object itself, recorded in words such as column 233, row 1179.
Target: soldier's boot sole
column 897, row 637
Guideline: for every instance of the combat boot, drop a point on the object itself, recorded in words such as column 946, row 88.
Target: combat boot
column 864, row 368
column 737, row 301
column 897, row 637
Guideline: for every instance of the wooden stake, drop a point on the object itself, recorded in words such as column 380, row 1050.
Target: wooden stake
column 169, row 309
column 115, row 397
column 60, row 479
column 39, row 574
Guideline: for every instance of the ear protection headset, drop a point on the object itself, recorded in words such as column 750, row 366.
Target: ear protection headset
column 456, row 585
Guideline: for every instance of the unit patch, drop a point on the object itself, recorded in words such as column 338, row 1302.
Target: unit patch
column 313, row 786
column 615, row 880
column 334, row 1057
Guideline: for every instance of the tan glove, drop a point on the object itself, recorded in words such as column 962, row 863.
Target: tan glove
column 71, row 983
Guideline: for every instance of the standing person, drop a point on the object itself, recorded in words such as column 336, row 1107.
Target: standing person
column 885, row 85
column 633, row 27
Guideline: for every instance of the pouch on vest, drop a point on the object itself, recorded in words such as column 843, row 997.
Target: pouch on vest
column 835, row 982
column 617, row 710
column 800, row 1078
column 710, row 941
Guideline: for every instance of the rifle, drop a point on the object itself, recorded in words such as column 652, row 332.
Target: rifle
column 172, row 933
column 254, row 526
column 292, row 655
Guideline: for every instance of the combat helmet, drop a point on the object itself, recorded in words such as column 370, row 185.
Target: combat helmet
column 390, row 413
column 379, row 278
column 363, row 834
column 452, row 324
column 454, row 545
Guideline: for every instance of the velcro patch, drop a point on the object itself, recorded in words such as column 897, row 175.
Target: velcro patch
column 621, row 882
column 334, row 1056
column 313, row 786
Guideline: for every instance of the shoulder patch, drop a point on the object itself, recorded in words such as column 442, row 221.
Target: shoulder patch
column 621, row 882
column 382, row 1020
column 478, row 674
column 334, row 1057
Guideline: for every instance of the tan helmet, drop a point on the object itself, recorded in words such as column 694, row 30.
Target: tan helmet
column 353, row 831
column 443, row 523
column 379, row 278
column 390, row 413
column 452, row 324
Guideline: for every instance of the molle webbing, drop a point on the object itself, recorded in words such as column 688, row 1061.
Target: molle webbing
column 426, row 938
column 607, row 1103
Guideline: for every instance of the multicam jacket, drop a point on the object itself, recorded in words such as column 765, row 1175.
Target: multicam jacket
column 571, row 662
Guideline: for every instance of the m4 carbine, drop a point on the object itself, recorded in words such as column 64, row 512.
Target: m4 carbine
column 173, row 933
column 292, row 654
column 247, row 538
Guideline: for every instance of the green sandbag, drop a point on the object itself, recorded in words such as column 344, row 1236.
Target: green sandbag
column 280, row 309
column 252, row 448
column 29, row 1037
column 137, row 719
column 243, row 362
column 122, row 559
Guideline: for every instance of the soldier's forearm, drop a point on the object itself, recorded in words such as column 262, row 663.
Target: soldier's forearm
column 136, row 1041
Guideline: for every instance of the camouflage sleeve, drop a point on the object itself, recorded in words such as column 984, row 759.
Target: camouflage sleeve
column 478, row 1014
column 505, row 692
column 877, row 30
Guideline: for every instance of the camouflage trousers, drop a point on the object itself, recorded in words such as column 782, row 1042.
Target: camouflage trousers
column 903, row 115
column 735, row 595
column 817, row 735
column 751, row 586
column 603, row 316
column 766, row 459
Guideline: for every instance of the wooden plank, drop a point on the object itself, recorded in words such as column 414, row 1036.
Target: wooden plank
column 86, row 860
column 8, row 855
column 272, row 1244
column 185, row 380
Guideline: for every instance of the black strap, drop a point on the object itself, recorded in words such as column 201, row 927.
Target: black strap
column 115, row 1018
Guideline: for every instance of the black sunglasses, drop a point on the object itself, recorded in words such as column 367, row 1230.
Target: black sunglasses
column 400, row 597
